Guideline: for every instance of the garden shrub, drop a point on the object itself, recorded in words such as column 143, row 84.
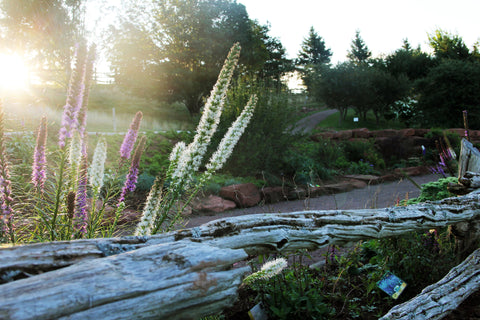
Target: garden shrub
column 309, row 161
column 295, row 293
column 267, row 138
column 435, row 190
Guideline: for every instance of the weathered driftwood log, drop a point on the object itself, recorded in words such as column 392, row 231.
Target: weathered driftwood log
column 180, row 280
column 184, row 274
column 469, row 158
column 439, row 299
column 470, row 179
column 260, row 233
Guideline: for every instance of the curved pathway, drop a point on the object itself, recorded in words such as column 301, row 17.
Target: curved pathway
column 309, row 123
column 374, row 196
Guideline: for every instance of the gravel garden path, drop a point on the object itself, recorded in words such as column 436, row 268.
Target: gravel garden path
column 374, row 196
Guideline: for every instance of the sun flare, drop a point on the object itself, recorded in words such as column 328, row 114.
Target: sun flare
column 13, row 72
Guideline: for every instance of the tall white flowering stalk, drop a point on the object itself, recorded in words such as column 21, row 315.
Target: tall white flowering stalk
column 268, row 270
column 97, row 168
column 145, row 226
column 191, row 158
column 234, row 133
column 186, row 160
column 75, row 158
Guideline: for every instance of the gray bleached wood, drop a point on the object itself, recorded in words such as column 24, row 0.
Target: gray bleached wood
column 138, row 276
column 181, row 280
column 187, row 273
column 469, row 158
column 259, row 233
column 439, row 299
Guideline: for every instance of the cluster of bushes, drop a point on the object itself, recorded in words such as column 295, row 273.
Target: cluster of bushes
column 270, row 152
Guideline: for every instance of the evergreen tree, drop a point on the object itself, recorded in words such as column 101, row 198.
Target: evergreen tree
column 312, row 58
column 359, row 53
column 313, row 50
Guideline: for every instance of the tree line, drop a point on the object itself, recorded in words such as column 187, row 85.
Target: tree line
column 413, row 86
column 172, row 50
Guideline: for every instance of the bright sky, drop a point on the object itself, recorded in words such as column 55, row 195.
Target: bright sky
column 383, row 24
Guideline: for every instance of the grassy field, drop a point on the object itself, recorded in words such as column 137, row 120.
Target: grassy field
column 24, row 110
column 332, row 122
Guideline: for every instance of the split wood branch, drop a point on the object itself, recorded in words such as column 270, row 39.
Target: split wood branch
column 439, row 299
column 259, row 233
column 181, row 280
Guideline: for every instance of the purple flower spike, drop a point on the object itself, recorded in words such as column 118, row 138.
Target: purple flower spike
column 131, row 136
column 132, row 177
column 39, row 174
column 74, row 98
column 7, row 229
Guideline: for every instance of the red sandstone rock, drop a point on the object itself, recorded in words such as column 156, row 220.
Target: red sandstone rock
column 365, row 178
column 343, row 135
column 274, row 194
column 407, row 132
column 362, row 133
column 389, row 177
column 421, row 132
column 460, row 131
column 357, row 184
column 214, row 204
column 340, row 187
column 244, row 195
column 386, row 133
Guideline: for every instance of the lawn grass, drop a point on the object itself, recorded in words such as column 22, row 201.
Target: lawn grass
column 332, row 122
column 24, row 110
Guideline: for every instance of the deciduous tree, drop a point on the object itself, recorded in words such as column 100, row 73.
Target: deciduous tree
column 448, row 46
column 179, row 47
column 44, row 32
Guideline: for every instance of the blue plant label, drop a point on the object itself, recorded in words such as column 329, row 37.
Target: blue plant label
column 391, row 285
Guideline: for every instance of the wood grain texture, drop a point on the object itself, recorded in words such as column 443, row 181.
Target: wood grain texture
column 154, row 282
column 439, row 299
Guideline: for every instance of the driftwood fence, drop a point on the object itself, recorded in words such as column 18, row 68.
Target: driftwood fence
column 189, row 273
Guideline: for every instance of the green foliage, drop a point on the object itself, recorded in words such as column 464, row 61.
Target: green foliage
column 155, row 56
column 144, row 182
column 447, row 90
column 335, row 121
column 312, row 56
column 313, row 50
column 294, row 294
column 222, row 180
column 359, row 53
column 448, row 46
column 411, row 255
column 435, row 190
column 267, row 139
column 359, row 157
column 156, row 160
column 360, row 167
column 360, row 87
column 310, row 161
column 356, row 151
column 413, row 63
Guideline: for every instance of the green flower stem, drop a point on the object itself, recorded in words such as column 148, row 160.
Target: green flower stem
column 58, row 196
